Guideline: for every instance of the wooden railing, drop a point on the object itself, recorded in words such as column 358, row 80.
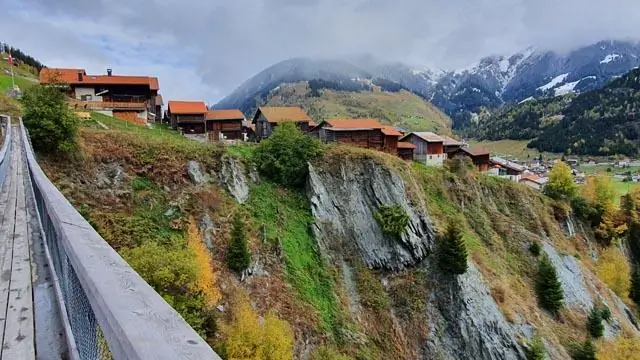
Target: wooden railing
column 106, row 105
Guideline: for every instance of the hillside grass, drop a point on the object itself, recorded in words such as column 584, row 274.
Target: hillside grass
column 512, row 148
column 286, row 218
column 403, row 108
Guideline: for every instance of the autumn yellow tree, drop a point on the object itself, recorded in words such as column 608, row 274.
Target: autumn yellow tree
column 249, row 339
column 613, row 269
column 206, row 279
column 561, row 184
column 610, row 223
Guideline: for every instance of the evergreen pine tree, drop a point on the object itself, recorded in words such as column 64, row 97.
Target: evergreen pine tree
column 548, row 287
column 634, row 293
column 452, row 250
column 238, row 256
column 594, row 323
column 536, row 350
column 586, row 351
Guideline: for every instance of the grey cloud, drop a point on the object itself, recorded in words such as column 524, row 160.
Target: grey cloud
column 232, row 40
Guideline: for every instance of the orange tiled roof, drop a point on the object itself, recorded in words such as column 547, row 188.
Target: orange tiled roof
column 532, row 177
column 280, row 114
column 390, row 131
column 70, row 76
column 354, row 123
column 225, row 115
column 476, row 151
column 187, row 107
column 405, row 145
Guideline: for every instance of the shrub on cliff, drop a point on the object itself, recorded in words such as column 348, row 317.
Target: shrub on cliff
column 285, row 155
column 536, row 350
column 52, row 126
column 238, row 255
column 452, row 250
column 594, row 323
column 585, row 351
column 393, row 219
column 548, row 287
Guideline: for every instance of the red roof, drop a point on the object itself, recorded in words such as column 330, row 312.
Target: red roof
column 390, row 131
column 70, row 76
column 531, row 177
column 285, row 113
column 476, row 151
column 225, row 115
column 405, row 145
column 427, row 136
column 354, row 123
column 187, row 107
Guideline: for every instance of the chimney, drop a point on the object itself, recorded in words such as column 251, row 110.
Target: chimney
column 79, row 75
column 108, row 72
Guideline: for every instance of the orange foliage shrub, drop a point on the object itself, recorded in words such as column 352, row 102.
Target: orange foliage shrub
column 206, row 278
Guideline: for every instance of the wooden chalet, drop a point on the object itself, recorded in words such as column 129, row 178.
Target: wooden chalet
column 366, row 133
column 188, row 115
column 478, row 155
column 132, row 98
column 224, row 124
column 450, row 145
column 267, row 118
column 506, row 168
column 429, row 147
column 405, row 150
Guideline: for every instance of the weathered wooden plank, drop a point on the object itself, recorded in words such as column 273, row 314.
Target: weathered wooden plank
column 19, row 339
column 6, row 242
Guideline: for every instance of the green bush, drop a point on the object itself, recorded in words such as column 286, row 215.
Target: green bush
column 535, row 248
column 238, row 256
column 52, row 126
column 560, row 185
column 393, row 219
column 585, row 351
column 452, row 250
column 548, row 287
column 634, row 292
column 285, row 155
column 605, row 313
column 536, row 350
column 594, row 323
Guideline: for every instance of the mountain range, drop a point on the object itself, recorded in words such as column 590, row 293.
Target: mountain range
column 489, row 83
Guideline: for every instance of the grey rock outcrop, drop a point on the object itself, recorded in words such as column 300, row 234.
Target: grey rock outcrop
column 195, row 174
column 109, row 176
column 343, row 202
column 576, row 293
column 466, row 323
column 233, row 175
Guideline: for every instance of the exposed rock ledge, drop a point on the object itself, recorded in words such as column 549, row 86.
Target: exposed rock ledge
column 343, row 201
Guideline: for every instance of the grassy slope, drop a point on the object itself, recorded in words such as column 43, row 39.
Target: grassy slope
column 403, row 108
column 513, row 148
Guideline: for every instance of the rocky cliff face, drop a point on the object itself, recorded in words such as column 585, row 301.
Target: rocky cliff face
column 477, row 315
column 343, row 201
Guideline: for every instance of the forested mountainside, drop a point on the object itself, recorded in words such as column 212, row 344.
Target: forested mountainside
column 490, row 83
column 599, row 122
column 353, row 256
column 383, row 100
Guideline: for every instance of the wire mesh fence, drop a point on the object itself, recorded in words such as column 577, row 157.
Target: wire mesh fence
column 85, row 330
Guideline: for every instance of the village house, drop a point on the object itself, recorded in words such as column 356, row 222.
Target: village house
column 533, row 181
column 507, row 169
column 224, row 124
column 478, row 155
column 188, row 115
column 405, row 150
column 450, row 145
column 429, row 147
column 267, row 118
column 366, row 133
column 132, row 98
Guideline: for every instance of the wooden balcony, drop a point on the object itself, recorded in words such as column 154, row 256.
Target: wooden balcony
column 106, row 105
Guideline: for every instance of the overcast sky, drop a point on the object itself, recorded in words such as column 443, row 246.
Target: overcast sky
column 204, row 49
